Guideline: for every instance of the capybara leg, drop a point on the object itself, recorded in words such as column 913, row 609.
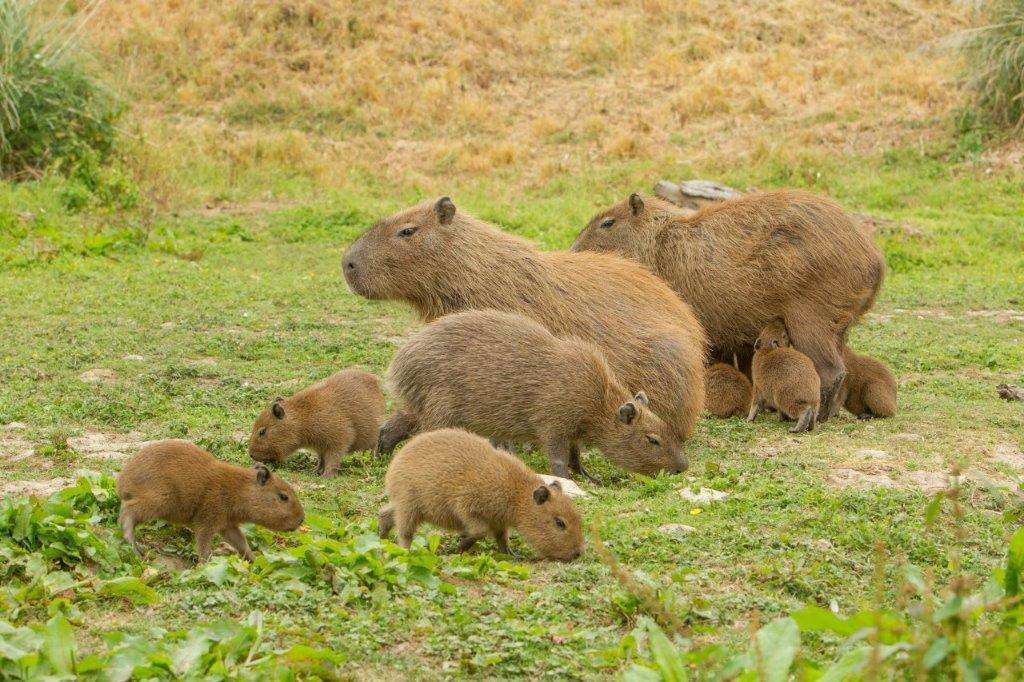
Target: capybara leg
column 465, row 543
column 319, row 464
column 406, row 524
column 558, row 457
column 878, row 402
column 813, row 336
column 236, row 538
column 501, row 540
column 506, row 445
column 385, row 521
column 331, row 464
column 401, row 425
column 806, row 421
column 204, row 544
column 127, row 522
column 755, row 409
column 576, row 465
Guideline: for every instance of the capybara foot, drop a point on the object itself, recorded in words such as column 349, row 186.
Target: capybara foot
column 806, row 421
column 830, row 396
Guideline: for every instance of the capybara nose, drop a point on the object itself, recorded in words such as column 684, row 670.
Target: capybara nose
column 350, row 265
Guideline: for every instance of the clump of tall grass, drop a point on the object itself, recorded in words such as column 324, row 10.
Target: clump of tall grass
column 53, row 112
column 995, row 57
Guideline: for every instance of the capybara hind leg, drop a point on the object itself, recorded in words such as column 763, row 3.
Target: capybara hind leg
column 558, row 457
column 204, row 544
column 806, row 421
column 236, row 538
column 755, row 409
column 401, row 425
column 814, row 336
column 406, row 523
column 127, row 522
column 878, row 402
column 331, row 464
column 385, row 521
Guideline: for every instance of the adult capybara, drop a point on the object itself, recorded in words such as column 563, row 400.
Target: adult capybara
column 442, row 261
column 870, row 387
column 743, row 262
column 728, row 391
column 505, row 376
column 784, row 379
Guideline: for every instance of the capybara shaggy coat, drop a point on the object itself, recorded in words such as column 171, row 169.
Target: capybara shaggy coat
column 333, row 417
column 784, row 379
column 744, row 262
column 505, row 376
column 870, row 387
column 728, row 391
column 458, row 481
column 180, row 483
column 442, row 261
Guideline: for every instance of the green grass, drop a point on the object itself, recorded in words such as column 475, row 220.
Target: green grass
column 229, row 311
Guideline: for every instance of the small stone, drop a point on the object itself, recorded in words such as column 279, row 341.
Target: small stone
column 203, row 362
column 822, row 544
column 15, row 426
column 928, row 481
column 908, row 437
column 703, row 496
column 1007, row 392
column 676, row 528
column 569, row 487
column 24, row 454
column 851, row 478
column 867, row 453
column 168, row 325
column 132, row 358
column 98, row 375
column 1009, row 454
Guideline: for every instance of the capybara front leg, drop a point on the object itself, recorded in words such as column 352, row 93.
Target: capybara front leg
column 385, row 521
column 576, row 465
column 331, row 464
column 816, row 338
column 755, row 409
column 558, row 457
column 127, row 522
column 236, row 538
column 401, row 425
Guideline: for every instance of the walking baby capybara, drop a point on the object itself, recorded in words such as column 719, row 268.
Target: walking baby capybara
column 458, row 481
column 728, row 391
column 180, row 483
column 505, row 376
column 784, row 379
column 744, row 262
column 333, row 417
column 443, row 261
column 870, row 387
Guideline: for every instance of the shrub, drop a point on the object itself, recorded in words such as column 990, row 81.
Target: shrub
column 995, row 56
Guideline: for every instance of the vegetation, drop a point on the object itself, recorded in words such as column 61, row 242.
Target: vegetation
column 995, row 52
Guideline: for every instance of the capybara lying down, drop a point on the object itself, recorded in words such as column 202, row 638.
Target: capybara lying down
column 442, row 261
column 504, row 376
column 333, row 417
column 784, row 379
column 744, row 262
column 728, row 391
column 176, row 481
column 870, row 387
column 458, row 481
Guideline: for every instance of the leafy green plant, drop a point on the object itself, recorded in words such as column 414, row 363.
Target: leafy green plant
column 995, row 55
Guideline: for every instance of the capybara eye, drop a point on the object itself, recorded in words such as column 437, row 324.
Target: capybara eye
column 407, row 231
column 263, row 431
column 560, row 523
column 607, row 222
column 653, row 440
column 282, row 497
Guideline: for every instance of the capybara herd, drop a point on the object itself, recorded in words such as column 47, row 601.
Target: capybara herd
column 655, row 315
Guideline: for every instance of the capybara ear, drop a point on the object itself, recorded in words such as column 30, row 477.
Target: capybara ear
column 555, row 485
column 641, row 398
column 278, row 408
column 627, row 413
column 445, row 210
column 636, row 203
column 541, row 494
column 262, row 474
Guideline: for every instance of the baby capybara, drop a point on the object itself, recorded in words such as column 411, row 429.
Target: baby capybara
column 178, row 482
column 504, row 376
column 870, row 387
column 784, row 379
column 443, row 261
column 728, row 391
column 744, row 262
column 458, row 481
column 334, row 417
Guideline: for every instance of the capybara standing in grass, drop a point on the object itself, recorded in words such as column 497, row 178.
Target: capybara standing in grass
column 334, row 417
column 728, row 391
column 744, row 262
column 505, row 376
column 458, row 481
column 784, row 379
column 870, row 387
column 442, row 261
column 180, row 483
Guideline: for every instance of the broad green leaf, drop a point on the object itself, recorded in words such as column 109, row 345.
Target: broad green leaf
column 189, row 652
column 130, row 588
column 777, row 644
column 1014, row 564
column 59, row 645
column 851, row 663
column 817, row 619
column 935, row 653
column 639, row 673
column 931, row 512
column 665, row 655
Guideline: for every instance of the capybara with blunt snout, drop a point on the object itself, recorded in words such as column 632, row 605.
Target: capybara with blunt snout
column 505, row 376
column 333, row 417
column 784, row 379
column 870, row 387
column 458, row 481
column 744, row 262
column 443, row 261
column 728, row 391
column 180, row 483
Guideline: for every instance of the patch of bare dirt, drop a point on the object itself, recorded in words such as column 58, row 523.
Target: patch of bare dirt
column 217, row 208
column 43, row 488
column 1009, row 454
column 108, row 446
column 852, row 478
column 13, row 447
column 98, row 375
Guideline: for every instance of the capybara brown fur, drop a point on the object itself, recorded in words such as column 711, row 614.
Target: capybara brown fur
column 456, row 480
column 180, row 483
column 744, row 262
column 784, row 379
column 442, row 261
column 870, row 387
column 506, row 377
column 728, row 391
column 333, row 417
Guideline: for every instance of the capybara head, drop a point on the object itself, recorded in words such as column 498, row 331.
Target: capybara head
column 629, row 228
column 551, row 524
column 272, row 503
column 774, row 335
column 640, row 441
column 402, row 255
column 274, row 435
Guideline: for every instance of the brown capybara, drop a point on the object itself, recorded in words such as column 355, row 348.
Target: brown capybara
column 744, row 262
column 870, row 387
column 333, row 417
column 458, row 481
column 505, row 376
column 180, row 483
column 443, row 261
column 728, row 390
column 784, row 379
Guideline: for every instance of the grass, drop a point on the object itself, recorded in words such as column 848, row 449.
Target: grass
column 995, row 51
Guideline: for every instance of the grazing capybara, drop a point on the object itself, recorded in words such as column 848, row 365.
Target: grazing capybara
column 333, row 417
column 728, row 391
column 784, row 379
column 458, row 481
column 505, row 376
column 744, row 262
column 443, row 261
column 870, row 387
column 180, row 483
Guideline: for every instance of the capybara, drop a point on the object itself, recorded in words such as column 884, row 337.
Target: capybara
column 741, row 263
column 505, row 376
column 870, row 387
column 443, row 261
column 728, row 390
column 333, row 417
column 180, row 483
column 784, row 379
column 458, row 481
